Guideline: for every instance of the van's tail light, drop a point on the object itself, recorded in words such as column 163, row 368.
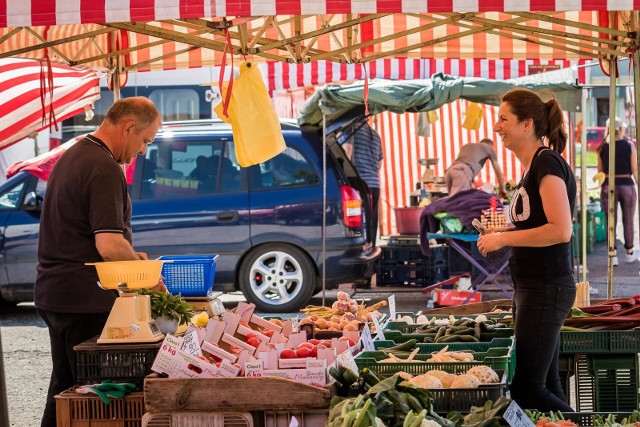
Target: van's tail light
column 352, row 207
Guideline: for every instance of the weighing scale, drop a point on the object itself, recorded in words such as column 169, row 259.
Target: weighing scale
column 428, row 175
column 130, row 318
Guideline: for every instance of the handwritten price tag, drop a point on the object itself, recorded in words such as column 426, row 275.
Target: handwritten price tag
column 367, row 339
column 379, row 332
column 515, row 416
column 392, row 307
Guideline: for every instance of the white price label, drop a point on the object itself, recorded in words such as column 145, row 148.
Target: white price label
column 346, row 359
column 379, row 332
column 515, row 416
column 191, row 344
column 367, row 339
column 392, row 307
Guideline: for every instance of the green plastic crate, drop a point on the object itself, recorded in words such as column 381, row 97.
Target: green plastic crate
column 446, row 400
column 496, row 358
column 615, row 381
column 410, row 329
column 585, row 419
column 589, row 342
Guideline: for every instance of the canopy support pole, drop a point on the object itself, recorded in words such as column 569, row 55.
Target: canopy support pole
column 583, row 182
column 324, row 207
column 4, row 408
column 611, row 207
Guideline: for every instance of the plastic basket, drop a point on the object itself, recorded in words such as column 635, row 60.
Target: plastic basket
column 446, row 400
column 79, row 410
column 499, row 359
column 188, row 419
column 189, row 275
column 136, row 274
column 586, row 419
column 600, row 341
column 616, row 381
column 123, row 363
column 308, row 418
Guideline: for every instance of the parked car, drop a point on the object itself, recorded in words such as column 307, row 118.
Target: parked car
column 191, row 197
column 594, row 137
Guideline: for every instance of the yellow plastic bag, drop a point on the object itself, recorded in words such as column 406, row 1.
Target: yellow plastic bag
column 432, row 116
column 256, row 129
column 472, row 117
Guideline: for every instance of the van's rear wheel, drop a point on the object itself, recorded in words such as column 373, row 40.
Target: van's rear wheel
column 277, row 278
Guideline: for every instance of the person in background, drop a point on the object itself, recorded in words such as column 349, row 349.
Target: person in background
column 541, row 211
column 365, row 151
column 471, row 159
column 626, row 176
column 86, row 218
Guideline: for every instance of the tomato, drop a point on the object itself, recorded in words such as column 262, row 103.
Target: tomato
column 250, row 335
column 314, row 351
column 202, row 358
column 326, row 343
column 268, row 333
column 314, row 341
column 306, row 345
column 303, row 352
column 253, row 342
column 288, row 353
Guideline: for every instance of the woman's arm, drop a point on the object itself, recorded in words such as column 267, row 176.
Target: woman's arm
column 634, row 161
column 558, row 229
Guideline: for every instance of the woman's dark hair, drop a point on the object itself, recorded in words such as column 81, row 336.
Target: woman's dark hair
column 548, row 120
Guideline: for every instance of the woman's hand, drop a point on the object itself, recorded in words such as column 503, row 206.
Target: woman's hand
column 490, row 243
column 160, row 287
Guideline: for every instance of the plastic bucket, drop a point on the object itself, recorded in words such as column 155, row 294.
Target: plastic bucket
column 408, row 220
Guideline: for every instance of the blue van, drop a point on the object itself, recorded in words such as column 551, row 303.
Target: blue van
column 190, row 196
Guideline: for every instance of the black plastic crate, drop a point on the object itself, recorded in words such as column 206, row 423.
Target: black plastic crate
column 615, row 380
column 402, row 254
column 122, row 363
column 435, row 274
column 585, row 419
column 401, row 276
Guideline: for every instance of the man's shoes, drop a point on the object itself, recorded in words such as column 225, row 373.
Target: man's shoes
column 615, row 261
column 631, row 257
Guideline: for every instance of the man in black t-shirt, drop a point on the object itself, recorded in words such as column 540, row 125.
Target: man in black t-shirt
column 86, row 218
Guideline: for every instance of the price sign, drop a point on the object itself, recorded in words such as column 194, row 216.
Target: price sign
column 392, row 307
column 379, row 332
column 515, row 416
column 367, row 339
column 191, row 344
column 346, row 359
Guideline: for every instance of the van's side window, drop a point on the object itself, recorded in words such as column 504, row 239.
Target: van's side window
column 188, row 169
column 288, row 169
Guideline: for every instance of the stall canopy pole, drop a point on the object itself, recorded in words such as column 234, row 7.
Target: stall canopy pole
column 611, row 217
column 636, row 97
column 4, row 408
column 583, row 182
column 324, row 206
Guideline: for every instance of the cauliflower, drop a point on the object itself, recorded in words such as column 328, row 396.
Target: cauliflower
column 465, row 381
column 485, row 374
column 426, row 381
column 445, row 378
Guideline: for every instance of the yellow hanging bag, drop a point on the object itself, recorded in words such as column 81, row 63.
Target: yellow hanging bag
column 256, row 129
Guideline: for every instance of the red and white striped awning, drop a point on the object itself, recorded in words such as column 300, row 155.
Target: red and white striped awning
column 25, row 13
column 402, row 147
column 278, row 75
column 27, row 97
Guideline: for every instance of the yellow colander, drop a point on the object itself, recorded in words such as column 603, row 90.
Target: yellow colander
column 136, row 274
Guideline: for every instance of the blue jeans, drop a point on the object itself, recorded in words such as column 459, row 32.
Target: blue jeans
column 540, row 306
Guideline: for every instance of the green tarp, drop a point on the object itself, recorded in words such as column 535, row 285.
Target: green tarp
column 401, row 96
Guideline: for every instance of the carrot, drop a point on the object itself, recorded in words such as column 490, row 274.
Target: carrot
column 554, row 424
column 542, row 422
column 566, row 423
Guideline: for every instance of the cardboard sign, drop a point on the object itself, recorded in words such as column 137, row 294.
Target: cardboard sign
column 392, row 307
column 346, row 359
column 367, row 339
column 515, row 416
column 191, row 344
column 379, row 332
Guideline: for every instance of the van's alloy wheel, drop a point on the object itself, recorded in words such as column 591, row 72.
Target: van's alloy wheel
column 277, row 278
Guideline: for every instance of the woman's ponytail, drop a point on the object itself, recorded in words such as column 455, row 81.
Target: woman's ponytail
column 556, row 134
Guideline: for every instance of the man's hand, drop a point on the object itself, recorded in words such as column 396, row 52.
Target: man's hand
column 142, row 255
column 503, row 195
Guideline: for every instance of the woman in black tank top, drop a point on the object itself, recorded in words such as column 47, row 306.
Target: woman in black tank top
column 540, row 263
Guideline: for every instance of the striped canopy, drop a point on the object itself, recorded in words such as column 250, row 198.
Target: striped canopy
column 34, row 95
column 142, row 35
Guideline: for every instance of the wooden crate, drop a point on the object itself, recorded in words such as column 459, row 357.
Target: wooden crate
column 80, row 410
column 231, row 394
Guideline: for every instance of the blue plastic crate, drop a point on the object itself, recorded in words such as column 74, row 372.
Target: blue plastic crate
column 189, row 275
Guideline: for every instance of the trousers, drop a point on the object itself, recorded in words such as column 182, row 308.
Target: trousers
column 625, row 196
column 540, row 306
column 375, row 206
column 66, row 330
